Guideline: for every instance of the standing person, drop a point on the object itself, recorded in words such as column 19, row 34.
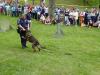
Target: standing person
column 76, row 15
column 7, row 8
column 19, row 10
column 33, row 1
column 46, row 11
column 25, row 9
column 58, row 15
column 86, row 18
column 71, row 17
column 29, row 17
column 13, row 9
column 93, row 16
column 23, row 25
column 66, row 17
column 81, row 18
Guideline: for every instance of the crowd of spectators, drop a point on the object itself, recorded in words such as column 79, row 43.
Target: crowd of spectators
column 74, row 16
column 68, row 16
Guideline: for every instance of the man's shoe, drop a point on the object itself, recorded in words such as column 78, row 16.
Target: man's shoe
column 23, row 47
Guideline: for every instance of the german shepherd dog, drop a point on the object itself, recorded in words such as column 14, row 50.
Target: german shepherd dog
column 33, row 40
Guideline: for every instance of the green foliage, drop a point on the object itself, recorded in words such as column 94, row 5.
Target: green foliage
column 72, row 3
column 77, row 53
column 93, row 2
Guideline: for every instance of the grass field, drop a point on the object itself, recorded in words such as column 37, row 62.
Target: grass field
column 76, row 53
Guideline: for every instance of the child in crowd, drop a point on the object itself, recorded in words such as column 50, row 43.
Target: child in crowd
column 47, row 20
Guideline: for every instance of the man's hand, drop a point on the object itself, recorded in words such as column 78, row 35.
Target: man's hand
column 24, row 29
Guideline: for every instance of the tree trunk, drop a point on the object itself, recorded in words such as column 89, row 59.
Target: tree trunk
column 51, row 8
column 33, row 1
column 16, row 3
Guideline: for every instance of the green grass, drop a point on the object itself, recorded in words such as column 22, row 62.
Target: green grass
column 73, row 3
column 82, row 43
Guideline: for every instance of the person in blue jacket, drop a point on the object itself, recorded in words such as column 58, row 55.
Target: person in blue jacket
column 23, row 25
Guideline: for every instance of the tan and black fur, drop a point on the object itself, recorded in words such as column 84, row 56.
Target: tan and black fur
column 33, row 40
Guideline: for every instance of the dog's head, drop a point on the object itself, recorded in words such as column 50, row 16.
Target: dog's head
column 28, row 33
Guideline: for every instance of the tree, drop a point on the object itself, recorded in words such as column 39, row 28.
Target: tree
column 86, row 2
column 59, row 32
column 16, row 3
column 33, row 1
column 51, row 8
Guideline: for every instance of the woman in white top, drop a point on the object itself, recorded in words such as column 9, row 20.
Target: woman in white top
column 42, row 18
column 46, row 11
